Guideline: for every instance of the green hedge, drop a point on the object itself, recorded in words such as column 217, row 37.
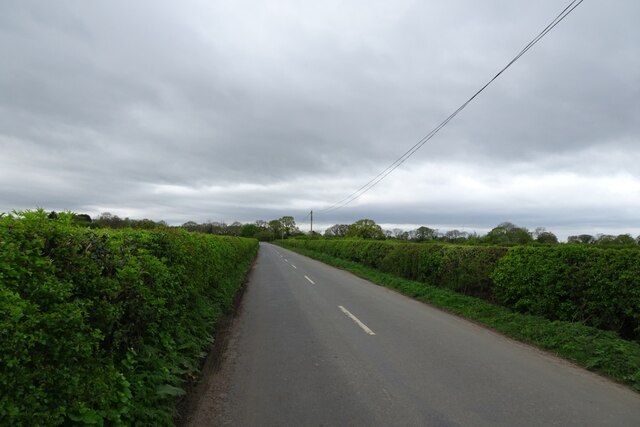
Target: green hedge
column 464, row 269
column 104, row 326
column 595, row 286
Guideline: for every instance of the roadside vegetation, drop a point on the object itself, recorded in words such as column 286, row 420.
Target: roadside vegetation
column 580, row 301
column 102, row 326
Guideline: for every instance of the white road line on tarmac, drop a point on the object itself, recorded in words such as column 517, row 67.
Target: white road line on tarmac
column 310, row 281
column 294, row 266
column 286, row 260
column 355, row 319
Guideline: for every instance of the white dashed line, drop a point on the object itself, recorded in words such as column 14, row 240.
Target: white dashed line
column 355, row 319
column 310, row 281
column 294, row 266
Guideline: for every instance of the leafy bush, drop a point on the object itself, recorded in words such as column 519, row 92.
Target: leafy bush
column 465, row 269
column 104, row 326
column 595, row 286
column 577, row 283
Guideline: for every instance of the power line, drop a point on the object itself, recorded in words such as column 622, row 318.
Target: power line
column 400, row 160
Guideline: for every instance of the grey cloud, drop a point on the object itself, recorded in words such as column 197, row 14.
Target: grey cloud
column 101, row 102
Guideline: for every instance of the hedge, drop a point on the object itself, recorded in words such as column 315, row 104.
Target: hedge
column 105, row 326
column 464, row 269
column 595, row 286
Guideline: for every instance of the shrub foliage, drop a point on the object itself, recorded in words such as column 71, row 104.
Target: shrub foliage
column 104, row 326
column 595, row 286
column 464, row 269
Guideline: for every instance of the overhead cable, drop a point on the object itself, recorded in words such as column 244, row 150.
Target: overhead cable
column 400, row 160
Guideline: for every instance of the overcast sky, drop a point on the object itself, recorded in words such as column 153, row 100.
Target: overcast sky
column 245, row 110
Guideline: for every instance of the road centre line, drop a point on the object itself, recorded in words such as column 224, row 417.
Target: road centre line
column 293, row 266
column 355, row 319
column 310, row 281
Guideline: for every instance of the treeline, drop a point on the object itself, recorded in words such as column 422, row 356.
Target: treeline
column 103, row 326
column 505, row 234
column 280, row 228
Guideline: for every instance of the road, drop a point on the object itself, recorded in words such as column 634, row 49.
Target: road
column 316, row 346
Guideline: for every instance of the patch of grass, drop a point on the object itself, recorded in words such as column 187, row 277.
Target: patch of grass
column 599, row 351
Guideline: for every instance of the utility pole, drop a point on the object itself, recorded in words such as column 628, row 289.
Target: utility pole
column 311, row 222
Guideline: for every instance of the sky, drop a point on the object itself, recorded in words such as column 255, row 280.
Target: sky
column 247, row 110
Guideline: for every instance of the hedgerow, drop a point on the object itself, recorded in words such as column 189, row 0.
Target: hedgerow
column 595, row 286
column 464, row 269
column 104, row 326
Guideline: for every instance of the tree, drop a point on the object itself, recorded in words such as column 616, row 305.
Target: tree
column 190, row 226
column 455, row 236
column 337, row 230
column 605, row 239
column 508, row 233
column 365, row 229
column 275, row 226
column 425, row 233
column 547, row 237
column 249, row 230
column 289, row 225
column 621, row 239
column 541, row 235
column 233, row 229
column 398, row 233
column 581, row 239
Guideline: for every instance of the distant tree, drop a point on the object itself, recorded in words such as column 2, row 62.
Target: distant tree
column 455, row 236
column 233, row 229
column 249, row 230
column 425, row 233
column 145, row 223
column 625, row 239
column 275, row 227
column 397, row 233
column 337, row 230
column 541, row 235
column 584, row 239
column 605, row 239
column 621, row 239
column 190, row 226
column 365, row 229
column 289, row 225
column 547, row 237
column 106, row 219
column 82, row 218
column 508, row 233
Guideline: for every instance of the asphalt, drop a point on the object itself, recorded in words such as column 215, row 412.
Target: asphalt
column 316, row 346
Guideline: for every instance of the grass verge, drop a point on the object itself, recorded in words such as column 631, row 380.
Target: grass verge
column 599, row 351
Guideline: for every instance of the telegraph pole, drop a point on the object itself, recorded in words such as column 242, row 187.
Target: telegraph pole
column 311, row 222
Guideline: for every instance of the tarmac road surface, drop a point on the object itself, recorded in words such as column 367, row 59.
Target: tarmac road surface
column 316, row 346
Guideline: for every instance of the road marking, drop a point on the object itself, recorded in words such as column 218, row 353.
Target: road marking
column 310, row 281
column 355, row 319
column 286, row 260
column 294, row 266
